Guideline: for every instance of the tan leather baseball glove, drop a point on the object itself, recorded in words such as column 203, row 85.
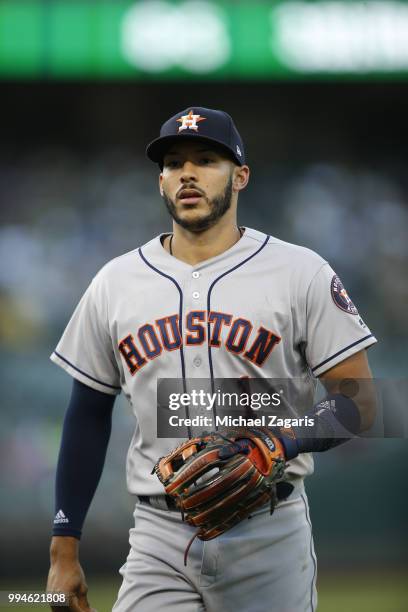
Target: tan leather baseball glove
column 219, row 479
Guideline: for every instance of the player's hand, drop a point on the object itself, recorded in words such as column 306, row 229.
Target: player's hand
column 67, row 576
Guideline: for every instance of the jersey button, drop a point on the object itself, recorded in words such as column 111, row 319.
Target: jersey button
column 197, row 361
column 196, row 275
column 196, row 295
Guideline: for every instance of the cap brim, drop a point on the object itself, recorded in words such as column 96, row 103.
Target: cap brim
column 158, row 148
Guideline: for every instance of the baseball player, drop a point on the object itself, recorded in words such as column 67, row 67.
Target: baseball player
column 209, row 300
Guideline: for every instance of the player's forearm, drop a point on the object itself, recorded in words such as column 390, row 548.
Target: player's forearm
column 353, row 378
column 364, row 396
column 336, row 419
column 85, row 438
column 348, row 409
column 64, row 548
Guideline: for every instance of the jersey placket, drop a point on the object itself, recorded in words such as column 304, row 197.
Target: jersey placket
column 196, row 343
column 195, row 334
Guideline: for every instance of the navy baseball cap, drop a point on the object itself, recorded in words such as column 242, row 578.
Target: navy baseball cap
column 213, row 126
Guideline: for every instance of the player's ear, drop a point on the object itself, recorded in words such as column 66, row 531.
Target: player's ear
column 161, row 183
column 240, row 177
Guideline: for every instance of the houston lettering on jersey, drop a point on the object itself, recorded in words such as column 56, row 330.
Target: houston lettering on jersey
column 151, row 340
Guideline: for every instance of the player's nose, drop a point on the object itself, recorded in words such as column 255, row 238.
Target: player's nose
column 188, row 172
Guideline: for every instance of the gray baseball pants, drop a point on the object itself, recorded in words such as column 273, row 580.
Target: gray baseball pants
column 264, row 564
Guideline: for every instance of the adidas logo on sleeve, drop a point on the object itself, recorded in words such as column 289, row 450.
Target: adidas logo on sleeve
column 60, row 518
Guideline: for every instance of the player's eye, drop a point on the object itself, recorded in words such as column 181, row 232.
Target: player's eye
column 206, row 160
column 172, row 163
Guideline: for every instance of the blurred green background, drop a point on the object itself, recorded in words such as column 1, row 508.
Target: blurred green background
column 326, row 141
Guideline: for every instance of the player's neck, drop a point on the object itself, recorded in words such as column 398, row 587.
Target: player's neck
column 193, row 248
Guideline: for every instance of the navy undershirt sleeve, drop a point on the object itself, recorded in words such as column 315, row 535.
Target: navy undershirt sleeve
column 336, row 420
column 85, row 437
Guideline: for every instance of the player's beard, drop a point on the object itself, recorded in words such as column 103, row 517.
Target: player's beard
column 218, row 207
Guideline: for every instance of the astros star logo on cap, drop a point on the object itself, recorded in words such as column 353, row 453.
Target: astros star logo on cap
column 189, row 121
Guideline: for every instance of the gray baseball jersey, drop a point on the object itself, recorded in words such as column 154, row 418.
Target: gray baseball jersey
column 264, row 309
